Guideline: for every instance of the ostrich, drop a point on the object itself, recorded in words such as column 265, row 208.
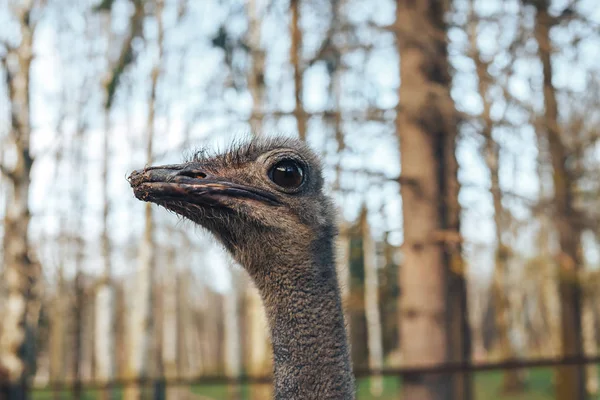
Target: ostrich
column 264, row 201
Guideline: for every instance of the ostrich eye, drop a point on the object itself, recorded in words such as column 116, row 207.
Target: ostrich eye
column 287, row 174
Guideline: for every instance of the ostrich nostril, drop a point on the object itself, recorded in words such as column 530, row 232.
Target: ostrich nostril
column 192, row 173
column 134, row 177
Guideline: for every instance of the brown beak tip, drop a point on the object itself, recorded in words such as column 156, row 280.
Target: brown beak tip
column 137, row 177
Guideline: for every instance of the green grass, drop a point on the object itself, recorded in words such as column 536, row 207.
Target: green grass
column 487, row 387
column 64, row 395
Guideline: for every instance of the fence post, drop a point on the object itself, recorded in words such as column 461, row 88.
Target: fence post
column 160, row 389
column 14, row 391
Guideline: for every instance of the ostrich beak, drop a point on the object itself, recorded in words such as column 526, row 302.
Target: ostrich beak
column 162, row 184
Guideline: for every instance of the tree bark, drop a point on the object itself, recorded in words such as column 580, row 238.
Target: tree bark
column 260, row 358
column 434, row 327
column 256, row 74
column 374, row 338
column 78, row 307
column 57, row 342
column 295, row 59
column 188, row 356
column 105, row 294
column 590, row 343
column 343, row 239
column 233, row 362
column 78, row 321
column 570, row 379
column 59, row 315
column 21, row 268
column 343, row 267
column 259, row 348
column 104, row 332
column 140, row 324
column 457, row 316
column 512, row 379
column 550, row 306
column 106, row 345
column 170, row 324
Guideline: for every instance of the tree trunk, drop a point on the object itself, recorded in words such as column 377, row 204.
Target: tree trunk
column 140, row 324
column 512, row 379
column 170, row 324
column 343, row 267
column 256, row 74
column 372, row 306
column 434, row 327
column 295, row 58
column 570, row 379
column 78, row 311
column 258, row 342
column 343, row 239
column 104, row 332
column 59, row 313
column 479, row 297
column 590, row 343
column 58, row 328
column 233, row 362
column 156, row 388
column 78, row 322
column 259, row 362
column 121, row 326
column 457, row 316
column 87, row 331
column 550, row 302
column 21, row 269
column 188, row 356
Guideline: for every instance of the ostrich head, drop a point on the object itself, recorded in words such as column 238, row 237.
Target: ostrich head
column 257, row 196
column 264, row 201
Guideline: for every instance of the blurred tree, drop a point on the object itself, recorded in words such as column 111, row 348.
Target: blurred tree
column 491, row 154
column 258, row 341
column 58, row 307
column 388, row 302
column 570, row 379
column 590, row 341
column 256, row 69
column 140, row 328
column 343, row 268
column 170, row 323
column 433, row 314
column 329, row 54
column 105, row 291
column 78, row 313
column 232, row 351
column 356, row 297
column 372, row 315
column 549, row 296
column 126, row 55
column 21, row 268
column 296, row 61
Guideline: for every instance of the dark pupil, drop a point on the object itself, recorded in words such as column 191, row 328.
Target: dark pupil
column 287, row 174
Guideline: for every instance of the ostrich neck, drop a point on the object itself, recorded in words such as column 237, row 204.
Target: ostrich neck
column 310, row 345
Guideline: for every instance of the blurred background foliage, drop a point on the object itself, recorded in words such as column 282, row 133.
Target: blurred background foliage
column 502, row 94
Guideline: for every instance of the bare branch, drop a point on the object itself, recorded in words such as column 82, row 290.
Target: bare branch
column 126, row 56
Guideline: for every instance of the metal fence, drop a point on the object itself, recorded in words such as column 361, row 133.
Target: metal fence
column 158, row 384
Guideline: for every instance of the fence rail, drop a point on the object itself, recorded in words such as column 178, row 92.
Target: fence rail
column 446, row 368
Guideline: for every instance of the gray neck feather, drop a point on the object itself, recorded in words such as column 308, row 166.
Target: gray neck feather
column 310, row 345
